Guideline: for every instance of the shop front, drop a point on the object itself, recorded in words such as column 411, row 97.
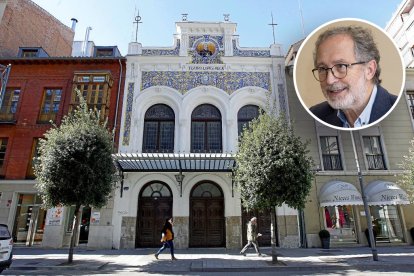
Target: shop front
column 339, row 200
column 385, row 199
column 29, row 221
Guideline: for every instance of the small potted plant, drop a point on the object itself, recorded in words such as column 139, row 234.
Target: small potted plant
column 325, row 237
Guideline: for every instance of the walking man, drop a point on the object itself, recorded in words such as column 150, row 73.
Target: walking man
column 252, row 236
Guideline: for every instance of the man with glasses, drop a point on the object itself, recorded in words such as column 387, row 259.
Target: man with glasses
column 347, row 66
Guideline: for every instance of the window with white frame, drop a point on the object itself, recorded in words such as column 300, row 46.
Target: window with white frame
column 374, row 153
column 331, row 156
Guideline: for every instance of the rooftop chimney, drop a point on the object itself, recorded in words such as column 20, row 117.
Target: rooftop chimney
column 74, row 21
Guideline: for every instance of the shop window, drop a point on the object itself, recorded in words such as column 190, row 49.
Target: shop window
column 34, row 153
column 30, row 220
column 331, row 156
column 373, row 153
column 159, row 123
column 84, row 223
column 3, row 148
column 8, row 107
column 50, row 105
column 410, row 100
column 245, row 115
column 340, row 222
column 95, row 88
column 387, row 223
column 206, row 129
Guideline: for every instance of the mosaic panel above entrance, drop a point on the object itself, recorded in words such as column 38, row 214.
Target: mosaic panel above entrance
column 184, row 81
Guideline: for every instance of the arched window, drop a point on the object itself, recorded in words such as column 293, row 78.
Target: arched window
column 206, row 189
column 206, row 129
column 245, row 115
column 157, row 190
column 158, row 129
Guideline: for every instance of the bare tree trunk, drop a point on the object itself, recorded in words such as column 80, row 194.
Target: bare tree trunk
column 273, row 234
column 75, row 228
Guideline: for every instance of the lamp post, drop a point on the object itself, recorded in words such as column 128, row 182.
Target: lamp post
column 180, row 177
column 364, row 200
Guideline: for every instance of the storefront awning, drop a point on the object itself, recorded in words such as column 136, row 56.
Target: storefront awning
column 335, row 193
column 174, row 162
column 385, row 193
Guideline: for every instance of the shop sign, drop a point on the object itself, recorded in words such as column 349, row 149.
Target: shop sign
column 95, row 217
column 54, row 216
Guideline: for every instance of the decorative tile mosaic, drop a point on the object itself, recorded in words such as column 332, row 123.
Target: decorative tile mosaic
column 218, row 39
column 282, row 98
column 197, row 59
column 162, row 52
column 205, row 50
column 227, row 81
column 249, row 53
column 128, row 112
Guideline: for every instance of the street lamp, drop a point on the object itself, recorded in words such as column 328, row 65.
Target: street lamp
column 180, row 177
column 364, row 200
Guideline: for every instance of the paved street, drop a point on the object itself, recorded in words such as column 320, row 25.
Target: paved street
column 316, row 261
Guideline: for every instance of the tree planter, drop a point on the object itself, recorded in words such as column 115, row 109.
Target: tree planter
column 325, row 237
column 326, row 242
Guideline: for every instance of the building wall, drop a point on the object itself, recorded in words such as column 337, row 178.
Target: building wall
column 32, row 78
column 399, row 28
column 395, row 131
column 25, row 24
column 183, row 82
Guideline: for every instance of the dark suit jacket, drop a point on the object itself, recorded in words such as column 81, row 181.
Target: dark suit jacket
column 382, row 103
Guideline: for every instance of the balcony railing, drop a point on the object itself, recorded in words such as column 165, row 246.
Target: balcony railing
column 332, row 162
column 375, row 162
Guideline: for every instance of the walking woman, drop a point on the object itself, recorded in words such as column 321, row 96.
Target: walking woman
column 167, row 238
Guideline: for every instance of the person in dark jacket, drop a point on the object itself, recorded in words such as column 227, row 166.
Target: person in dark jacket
column 167, row 237
column 347, row 66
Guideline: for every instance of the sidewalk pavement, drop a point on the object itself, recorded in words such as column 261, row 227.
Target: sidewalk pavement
column 395, row 258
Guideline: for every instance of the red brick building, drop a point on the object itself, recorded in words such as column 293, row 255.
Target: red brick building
column 40, row 90
column 25, row 24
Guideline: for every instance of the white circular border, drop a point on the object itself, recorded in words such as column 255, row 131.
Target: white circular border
column 306, row 41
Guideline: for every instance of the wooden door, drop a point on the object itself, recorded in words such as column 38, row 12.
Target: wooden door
column 207, row 228
column 154, row 208
column 151, row 218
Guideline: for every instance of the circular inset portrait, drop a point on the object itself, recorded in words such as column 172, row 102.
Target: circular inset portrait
column 349, row 74
column 206, row 48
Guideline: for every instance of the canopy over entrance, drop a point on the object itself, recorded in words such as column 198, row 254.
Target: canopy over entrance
column 381, row 192
column 174, row 162
column 335, row 193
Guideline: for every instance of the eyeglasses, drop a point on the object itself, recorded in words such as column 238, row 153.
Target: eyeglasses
column 339, row 71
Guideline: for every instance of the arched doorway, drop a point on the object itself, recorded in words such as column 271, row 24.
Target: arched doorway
column 207, row 222
column 154, row 207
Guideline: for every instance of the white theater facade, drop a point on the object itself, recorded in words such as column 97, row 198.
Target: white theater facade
column 184, row 107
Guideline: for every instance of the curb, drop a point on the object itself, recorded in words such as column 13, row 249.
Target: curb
column 59, row 267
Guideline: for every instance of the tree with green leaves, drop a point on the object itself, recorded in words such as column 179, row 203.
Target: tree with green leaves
column 406, row 180
column 272, row 167
column 75, row 166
